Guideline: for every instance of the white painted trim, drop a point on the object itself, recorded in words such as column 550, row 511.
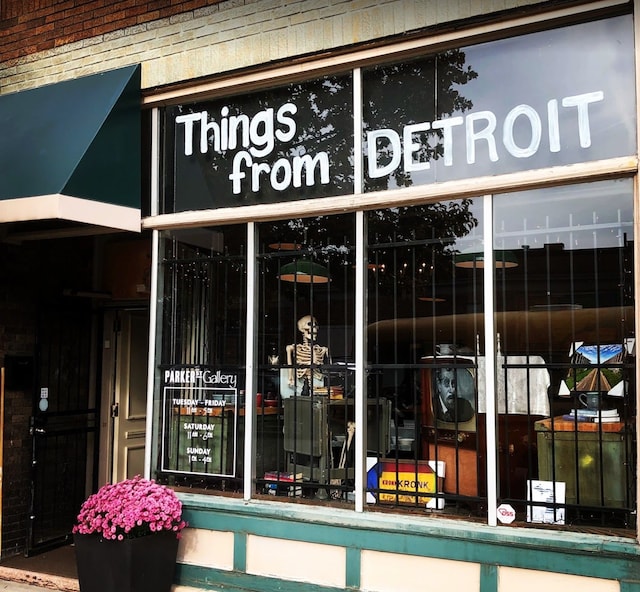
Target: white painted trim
column 491, row 437
column 636, row 246
column 251, row 370
column 151, row 358
column 474, row 187
column 58, row 206
column 360, row 320
column 155, row 161
column 360, row 323
column 358, row 157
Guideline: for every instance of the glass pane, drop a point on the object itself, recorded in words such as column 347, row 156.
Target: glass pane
column 202, row 357
column 305, row 406
column 565, row 388
column 510, row 105
column 424, row 333
column 288, row 143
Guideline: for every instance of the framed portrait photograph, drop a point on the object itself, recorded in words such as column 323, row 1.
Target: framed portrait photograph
column 449, row 394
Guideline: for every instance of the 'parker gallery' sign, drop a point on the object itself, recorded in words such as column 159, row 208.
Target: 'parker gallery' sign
column 200, row 421
column 545, row 99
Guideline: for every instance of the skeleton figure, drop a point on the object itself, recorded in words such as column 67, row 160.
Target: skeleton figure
column 307, row 353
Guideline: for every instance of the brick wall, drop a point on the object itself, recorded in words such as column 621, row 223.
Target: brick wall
column 30, row 26
column 213, row 38
column 18, row 293
column 32, row 275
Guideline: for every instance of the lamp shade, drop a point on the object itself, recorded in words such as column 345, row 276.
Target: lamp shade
column 304, row 271
column 502, row 260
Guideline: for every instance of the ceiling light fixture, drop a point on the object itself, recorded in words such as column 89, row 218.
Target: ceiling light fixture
column 503, row 260
column 304, row 271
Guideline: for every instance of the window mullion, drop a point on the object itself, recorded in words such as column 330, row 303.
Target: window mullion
column 251, row 363
column 359, row 304
column 490, row 357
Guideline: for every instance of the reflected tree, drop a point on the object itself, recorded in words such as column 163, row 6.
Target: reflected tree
column 408, row 93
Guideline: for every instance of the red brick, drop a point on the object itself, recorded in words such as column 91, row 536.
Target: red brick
column 148, row 17
column 43, row 30
column 25, row 17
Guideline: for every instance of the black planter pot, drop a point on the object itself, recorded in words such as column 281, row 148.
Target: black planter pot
column 144, row 564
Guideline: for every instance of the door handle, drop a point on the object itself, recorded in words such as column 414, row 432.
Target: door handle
column 114, row 410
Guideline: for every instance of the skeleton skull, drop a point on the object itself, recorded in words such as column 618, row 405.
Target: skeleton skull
column 308, row 326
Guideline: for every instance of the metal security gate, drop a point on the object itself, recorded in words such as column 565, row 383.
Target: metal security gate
column 63, row 423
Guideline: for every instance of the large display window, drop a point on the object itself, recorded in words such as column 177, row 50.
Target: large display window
column 563, row 358
column 468, row 356
column 549, row 98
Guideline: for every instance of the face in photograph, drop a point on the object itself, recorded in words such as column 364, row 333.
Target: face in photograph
column 451, row 400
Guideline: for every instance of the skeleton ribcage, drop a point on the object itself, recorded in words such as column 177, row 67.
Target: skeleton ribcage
column 305, row 356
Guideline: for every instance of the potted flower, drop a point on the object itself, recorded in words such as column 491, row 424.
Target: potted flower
column 126, row 537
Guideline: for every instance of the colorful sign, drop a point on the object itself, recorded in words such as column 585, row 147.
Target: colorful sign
column 404, row 482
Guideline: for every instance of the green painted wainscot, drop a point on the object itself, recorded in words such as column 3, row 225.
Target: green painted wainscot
column 423, row 552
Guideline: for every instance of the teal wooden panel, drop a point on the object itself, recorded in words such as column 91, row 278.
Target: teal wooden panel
column 560, row 552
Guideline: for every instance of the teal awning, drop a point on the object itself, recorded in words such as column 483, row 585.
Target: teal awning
column 71, row 151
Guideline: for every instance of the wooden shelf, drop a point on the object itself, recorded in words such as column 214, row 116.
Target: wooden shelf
column 558, row 424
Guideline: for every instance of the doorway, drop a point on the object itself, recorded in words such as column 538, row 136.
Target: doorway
column 124, row 394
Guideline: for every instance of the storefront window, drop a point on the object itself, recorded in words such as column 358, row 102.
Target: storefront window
column 292, row 142
column 566, row 364
column 498, row 329
column 202, row 356
column 563, row 333
column 424, row 329
column 305, row 406
column 544, row 99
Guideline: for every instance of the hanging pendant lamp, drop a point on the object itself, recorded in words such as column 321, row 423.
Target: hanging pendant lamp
column 502, row 260
column 304, row 271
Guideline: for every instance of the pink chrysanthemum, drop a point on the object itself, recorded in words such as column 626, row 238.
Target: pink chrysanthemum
column 130, row 509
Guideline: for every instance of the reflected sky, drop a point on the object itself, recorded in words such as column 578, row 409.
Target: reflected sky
column 513, row 117
column 594, row 215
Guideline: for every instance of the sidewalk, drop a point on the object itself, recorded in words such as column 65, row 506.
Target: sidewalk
column 17, row 580
column 9, row 586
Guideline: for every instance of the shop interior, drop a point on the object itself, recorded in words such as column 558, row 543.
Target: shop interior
column 424, row 315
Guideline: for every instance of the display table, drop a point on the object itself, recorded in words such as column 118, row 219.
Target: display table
column 593, row 459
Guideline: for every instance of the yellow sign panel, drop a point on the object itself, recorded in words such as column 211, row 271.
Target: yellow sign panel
column 403, row 482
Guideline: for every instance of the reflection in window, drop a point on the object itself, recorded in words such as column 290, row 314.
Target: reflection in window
column 424, row 332
column 439, row 117
column 290, row 142
column 563, row 314
column 567, row 311
column 565, row 392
